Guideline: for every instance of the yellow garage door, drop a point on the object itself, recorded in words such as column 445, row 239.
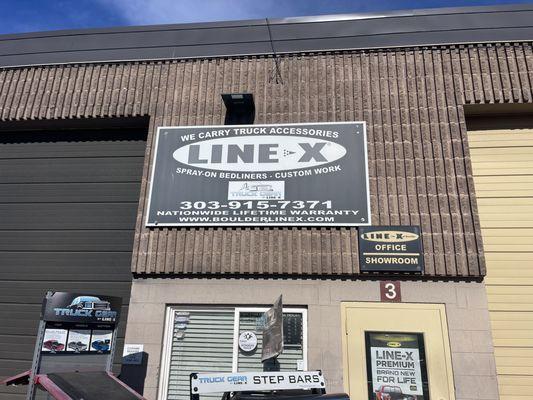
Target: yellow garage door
column 502, row 162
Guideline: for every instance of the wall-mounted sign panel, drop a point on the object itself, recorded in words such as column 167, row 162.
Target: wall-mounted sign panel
column 260, row 175
column 390, row 291
column 390, row 248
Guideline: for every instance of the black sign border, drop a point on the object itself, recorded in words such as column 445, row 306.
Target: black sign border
column 422, row 355
column 418, row 231
column 49, row 304
column 149, row 224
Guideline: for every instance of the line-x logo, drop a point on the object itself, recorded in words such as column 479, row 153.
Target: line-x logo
column 259, row 153
column 389, row 236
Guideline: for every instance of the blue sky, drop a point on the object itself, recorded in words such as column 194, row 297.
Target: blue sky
column 40, row 15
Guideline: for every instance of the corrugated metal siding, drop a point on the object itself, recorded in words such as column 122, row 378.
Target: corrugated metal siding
column 418, row 152
column 502, row 162
column 67, row 213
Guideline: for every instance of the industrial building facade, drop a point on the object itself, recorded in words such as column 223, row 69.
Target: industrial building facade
column 447, row 108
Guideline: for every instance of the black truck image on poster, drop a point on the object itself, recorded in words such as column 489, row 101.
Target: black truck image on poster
column 252, row 175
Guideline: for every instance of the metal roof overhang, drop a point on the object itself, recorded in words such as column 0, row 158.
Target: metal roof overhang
column 408, row 28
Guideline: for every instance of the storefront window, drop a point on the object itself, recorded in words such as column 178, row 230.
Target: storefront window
column 207, row 340
column 292, row 357
column 202, row 341
column 396, row 366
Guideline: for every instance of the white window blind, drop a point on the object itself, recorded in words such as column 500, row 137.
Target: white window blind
column 202, row 344
column 203, row 340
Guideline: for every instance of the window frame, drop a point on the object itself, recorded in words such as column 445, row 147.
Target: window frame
column 236, row 327
column 168, row 331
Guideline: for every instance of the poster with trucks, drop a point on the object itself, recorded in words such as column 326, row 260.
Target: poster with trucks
column 396, row 366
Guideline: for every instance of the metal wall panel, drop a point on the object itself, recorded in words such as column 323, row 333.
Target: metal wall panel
column 321, row 33
column 502, row 162
column 68, row 203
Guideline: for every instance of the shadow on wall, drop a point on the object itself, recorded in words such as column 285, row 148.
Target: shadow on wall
column 134, row 375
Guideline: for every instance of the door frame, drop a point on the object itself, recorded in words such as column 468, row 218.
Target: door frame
column 441, row 308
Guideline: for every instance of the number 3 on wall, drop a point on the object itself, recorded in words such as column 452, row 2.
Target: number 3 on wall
column 390, row 291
